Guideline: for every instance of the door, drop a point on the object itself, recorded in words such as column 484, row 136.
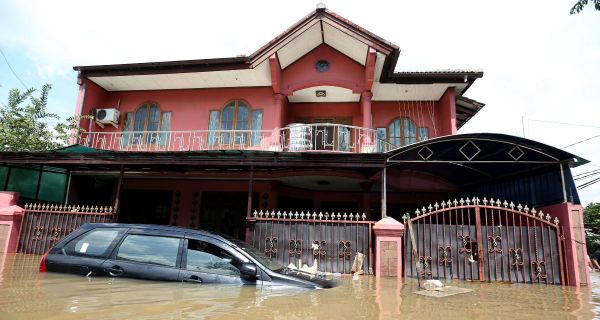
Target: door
column 323, row 135
column 145, row 206
column 146, row 255
column 207, row 261
column 225, row 212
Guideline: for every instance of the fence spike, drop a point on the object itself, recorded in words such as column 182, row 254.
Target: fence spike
column 301, row 215
column 541, row 215
column 498, row 202
column 443, row 204
column 485, row 201
column 547, row 217
column 519, row 207
column 429, row 208
column 314, row 215
column 505, row 204
column 52, row 207
column 326, row 215
column 417, row 212
column 533, row 211
column 339, row 216
column 364, row 216
column 455, row 202
column 285, row 214
column 492, row 202
column 278, row 214
column 96, row 209
column 556, row 220
column 345, row 216
column 477, row 200
column 436, row 206
column 260, row 214
column 468, row 201
column 512, row 205
column 320, row 215
column 423, row 210
column 449, row 203
column 526, row 209
column 405, row 217
column 26, row 206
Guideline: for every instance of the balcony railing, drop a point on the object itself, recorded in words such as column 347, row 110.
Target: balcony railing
column 293, row 138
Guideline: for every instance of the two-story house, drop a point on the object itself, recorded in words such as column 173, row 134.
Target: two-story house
column 317, row 125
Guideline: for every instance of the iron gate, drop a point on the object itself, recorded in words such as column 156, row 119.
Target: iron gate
column 43, row 225
column 332, row 240
column 484, row 240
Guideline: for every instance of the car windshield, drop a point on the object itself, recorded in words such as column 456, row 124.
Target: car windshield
column 257, row 255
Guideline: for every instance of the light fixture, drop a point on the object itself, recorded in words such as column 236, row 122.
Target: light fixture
column 321, row 93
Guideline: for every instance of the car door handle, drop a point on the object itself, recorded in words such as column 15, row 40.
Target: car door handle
column 195, row 279
column 114, row 271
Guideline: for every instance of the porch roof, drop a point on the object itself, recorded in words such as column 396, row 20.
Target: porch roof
column 471, row 159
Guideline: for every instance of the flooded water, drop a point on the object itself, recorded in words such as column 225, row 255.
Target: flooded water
column 26, row 294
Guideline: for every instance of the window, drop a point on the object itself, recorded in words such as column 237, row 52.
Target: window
column 147, row 121
column 381, row 139
column 149, row 249
column 403, row 131
column 235, row 116
column 205, row 257
column 96, row 242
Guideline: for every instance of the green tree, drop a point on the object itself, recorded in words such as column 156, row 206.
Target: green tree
column 25, row 123
column 591, row 219
column 582, row 3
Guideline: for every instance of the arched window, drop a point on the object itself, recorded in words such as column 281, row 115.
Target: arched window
column 148, row 120
column 235, row 124
column 403, row 131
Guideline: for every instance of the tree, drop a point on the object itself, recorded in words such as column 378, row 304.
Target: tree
column 591, row 219
column 25, row 123
column 582, row 3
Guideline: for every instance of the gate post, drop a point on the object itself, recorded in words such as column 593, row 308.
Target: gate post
column 10, row 221
column 388, row 248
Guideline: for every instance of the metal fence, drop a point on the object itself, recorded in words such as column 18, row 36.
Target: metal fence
column 332, row 240
column 43, row 225
column 484, row 240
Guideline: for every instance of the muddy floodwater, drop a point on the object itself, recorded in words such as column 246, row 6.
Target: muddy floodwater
column 26, row 294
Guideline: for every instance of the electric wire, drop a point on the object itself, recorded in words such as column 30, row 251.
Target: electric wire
column 12, row 70
column 581, row 141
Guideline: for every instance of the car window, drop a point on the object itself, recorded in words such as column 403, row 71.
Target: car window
column 206, row 257
column 149, row 249
column 95, row 242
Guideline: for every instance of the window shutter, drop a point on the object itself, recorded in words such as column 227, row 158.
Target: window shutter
column 256, row 127
column 127, row 126
column 213, row 125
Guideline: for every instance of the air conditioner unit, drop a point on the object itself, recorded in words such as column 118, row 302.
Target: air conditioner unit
column 107, row 116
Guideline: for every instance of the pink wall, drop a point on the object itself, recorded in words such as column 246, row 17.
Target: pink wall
column 571, row 217
column 421, row 112
column 94, row 98
column 324, row 110
column 446, row 113
column 342, row 72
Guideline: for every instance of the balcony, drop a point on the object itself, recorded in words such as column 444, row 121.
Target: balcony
column 323, row 137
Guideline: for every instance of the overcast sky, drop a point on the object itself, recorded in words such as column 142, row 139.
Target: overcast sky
column 541, row 64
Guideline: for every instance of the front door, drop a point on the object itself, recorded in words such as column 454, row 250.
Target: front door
column 145, row 206
column 323, row 136
column 225, row 212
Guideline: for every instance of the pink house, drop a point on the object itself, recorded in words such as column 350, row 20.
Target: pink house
column 302, row 145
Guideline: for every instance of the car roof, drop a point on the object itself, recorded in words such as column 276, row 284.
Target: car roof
column 159, row 227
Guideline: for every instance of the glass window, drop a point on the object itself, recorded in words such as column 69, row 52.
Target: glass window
column 205, row 257
column 402, row 132
column 165, row 125
column 213, row 125
column 96, row 242
column 52, row 186
column 257, row 127
column 149, row 249
column 234, row 124
column 423, row 133
column 23, row 181
column 146, row 124
column 381, row 139
column 127, row 125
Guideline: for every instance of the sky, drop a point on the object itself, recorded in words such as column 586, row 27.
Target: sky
column 541, row 64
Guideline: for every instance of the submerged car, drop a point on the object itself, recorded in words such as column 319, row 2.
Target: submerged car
column 169, row 253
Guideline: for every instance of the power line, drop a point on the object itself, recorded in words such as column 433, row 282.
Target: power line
column 566, row 123
column 12, row 70
column 587, row 184
column 584, row 140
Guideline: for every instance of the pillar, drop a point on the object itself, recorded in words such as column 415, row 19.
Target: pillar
column 388, row 247
column 367, row 145
column 278, row 120
column 11, row 216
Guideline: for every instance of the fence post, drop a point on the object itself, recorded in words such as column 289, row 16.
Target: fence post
column 11, row 216
column 388, row 248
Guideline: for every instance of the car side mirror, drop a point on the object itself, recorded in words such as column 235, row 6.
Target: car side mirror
column 248, row 269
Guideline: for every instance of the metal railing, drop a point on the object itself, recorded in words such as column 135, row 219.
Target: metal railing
column 329, row 240
column 43, row 225
column 293, row 138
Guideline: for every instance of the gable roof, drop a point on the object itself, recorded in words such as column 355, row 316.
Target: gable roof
column 321, row 26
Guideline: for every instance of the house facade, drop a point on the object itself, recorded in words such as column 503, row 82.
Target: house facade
column 317, row 126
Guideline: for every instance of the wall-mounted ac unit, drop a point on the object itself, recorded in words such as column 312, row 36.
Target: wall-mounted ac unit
column 107, row 116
